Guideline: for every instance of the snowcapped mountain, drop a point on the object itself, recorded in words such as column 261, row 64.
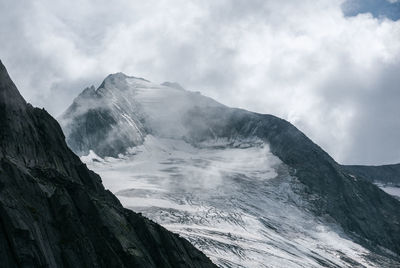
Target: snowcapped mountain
column 250, row 190
column 123, row 110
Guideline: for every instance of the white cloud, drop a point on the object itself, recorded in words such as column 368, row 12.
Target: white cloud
column 333, row 77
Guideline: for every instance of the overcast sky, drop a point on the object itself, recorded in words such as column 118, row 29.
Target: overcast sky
column 330, row 68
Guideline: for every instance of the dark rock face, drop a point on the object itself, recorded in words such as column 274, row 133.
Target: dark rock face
column 387, row 174
column 54, row 212
column 100, row 125
column 94, row 127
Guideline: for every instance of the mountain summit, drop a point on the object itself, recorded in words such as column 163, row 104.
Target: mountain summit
column 181, row 149
column 54, row 212
column 123, row 110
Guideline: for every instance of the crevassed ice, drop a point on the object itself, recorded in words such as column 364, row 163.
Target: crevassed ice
column 237, row 204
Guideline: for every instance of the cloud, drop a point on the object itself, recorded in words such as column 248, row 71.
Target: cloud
column 333, row 76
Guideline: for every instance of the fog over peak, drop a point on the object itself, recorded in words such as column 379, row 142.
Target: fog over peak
column 333, row 75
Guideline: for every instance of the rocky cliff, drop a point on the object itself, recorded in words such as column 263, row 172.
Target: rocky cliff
column 54, row 212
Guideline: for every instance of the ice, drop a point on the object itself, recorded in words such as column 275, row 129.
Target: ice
column 236, row 203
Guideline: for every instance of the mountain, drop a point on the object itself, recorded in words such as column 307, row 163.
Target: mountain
column 55, row 212
column 113, row 118
column 386, row 174
column 246, row 188
column 387, row 177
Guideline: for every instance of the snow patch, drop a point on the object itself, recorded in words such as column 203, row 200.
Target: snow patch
column 91, row 158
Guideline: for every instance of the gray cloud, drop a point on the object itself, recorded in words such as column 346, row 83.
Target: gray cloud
column 335, row 77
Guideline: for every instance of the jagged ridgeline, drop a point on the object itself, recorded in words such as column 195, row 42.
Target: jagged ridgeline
column 124, row 110
column 54, row 212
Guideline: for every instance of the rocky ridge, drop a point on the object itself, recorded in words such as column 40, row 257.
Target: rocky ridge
column 55, row 212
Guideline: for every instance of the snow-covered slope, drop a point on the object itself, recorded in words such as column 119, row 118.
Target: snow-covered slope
column 250, row 190
column 237, row 203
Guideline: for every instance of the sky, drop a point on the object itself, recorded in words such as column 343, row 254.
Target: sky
column 330, row 67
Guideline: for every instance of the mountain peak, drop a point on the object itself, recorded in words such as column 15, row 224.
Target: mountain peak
column 121, row 76
column 119, row 81
column 173, row 85
column 9, row 94
column 88, row 92
column 118, row 75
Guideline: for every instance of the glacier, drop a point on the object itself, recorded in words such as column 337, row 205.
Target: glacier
column 235, row 202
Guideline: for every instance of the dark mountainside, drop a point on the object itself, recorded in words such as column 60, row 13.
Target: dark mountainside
column 54, row 212
column 365, row 212
column 386, row 174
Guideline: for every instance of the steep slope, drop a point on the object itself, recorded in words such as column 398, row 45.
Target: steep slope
column 368, row 215
column 54, row 212
column 386, row 174
column 236, row 202
column 360, row 207
column 386, row 177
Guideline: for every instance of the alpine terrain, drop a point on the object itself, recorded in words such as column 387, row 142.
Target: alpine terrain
column 387, row 177
column 248, row 189
column 55, row 212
